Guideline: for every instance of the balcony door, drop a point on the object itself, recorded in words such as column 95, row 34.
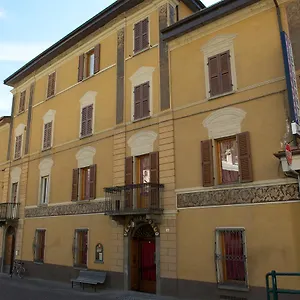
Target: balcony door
column 143, row 180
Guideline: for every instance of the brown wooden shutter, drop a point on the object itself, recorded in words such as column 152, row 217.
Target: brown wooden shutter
column 93, row 179
column 75, row 184
column 207, row 163
column 128, row 170
column 51, row 85
column 226, row 81
column 244, row 153
column 22, row 101
column 138, row 102
column 154, row 167
column 145, row 100
column 45, row 136
column 80, row 67
column 145, row 33
column 89, row 122
column 49, row 135
column 138, row 37
column 97, row 58
column 214, row 78
column 18, row 146
column 84, row 116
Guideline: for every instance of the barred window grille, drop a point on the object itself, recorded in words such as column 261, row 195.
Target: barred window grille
column 230, row 257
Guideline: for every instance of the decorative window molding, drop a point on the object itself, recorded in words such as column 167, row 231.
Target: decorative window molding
column 217, row 45
column 142, row 75
column 20, row 129
column 45, row 168
column 85, row 157
column 224, row 122
column 48, row 118
column 142, row 143
column 88, row 99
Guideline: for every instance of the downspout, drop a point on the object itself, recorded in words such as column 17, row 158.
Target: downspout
column 290, row 107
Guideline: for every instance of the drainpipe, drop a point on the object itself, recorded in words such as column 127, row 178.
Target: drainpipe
column 290, row 105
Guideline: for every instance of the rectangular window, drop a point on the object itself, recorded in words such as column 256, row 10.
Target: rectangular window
column 47, row 141
column 39, row 245
column 90, row 63
column 44, row 196
column 80, row 248
column 18, row 146
column 230, row 256
column 228, row 161
column 87, row 121
column 22, row 102
column 14, row 192
column 141, row 35
column 220, row 80
column 141, row 101
column 51, row 85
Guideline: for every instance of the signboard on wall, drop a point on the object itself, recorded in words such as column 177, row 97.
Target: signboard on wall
column 291, row 80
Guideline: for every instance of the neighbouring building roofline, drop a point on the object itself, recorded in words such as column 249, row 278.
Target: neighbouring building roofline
column 4, row 120
column 93, row 24
column 205, row 16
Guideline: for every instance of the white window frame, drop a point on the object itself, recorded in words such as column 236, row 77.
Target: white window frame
column 88, row 99
column 142, row 75
column 44, row 193
column 45, row 168
column 218, row 250
column 218, row 45
column 54, row 85
column 85, row 64
column 149, row 35
column 19, row 131
column 48, row 117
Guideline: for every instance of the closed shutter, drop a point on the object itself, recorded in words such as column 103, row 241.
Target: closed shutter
column 138, row 37
column 89, row 123
column 214, row 78
column 97, row 58
column 145, row 100
column 92, row 182
column 22, row 101
column 207, row 163
column 75, row 185
column 137, row 102
column 49, row 135
column 145, row 33
column 84, row 117
column 18, row 146
column 244, row 153
column 51, row 85
column 45, row 136
column 80, row 67
column 226, row 82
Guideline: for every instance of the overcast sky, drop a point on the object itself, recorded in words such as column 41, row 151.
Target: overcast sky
column 27, row 29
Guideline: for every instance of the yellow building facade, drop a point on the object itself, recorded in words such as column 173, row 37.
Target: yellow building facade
column 141, row 145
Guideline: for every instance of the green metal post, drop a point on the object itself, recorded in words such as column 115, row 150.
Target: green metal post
column 268, row 286
column 274, row 285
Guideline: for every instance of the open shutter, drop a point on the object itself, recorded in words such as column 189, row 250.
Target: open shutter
column 92, row 182
column 145, row 100
column 97, row 58
column 89, row 122
column 80, row 67
column 128, row 182
column 75, row 184
column 138, row 102
column 214, row 77
column 49, row 135
column 138, row 37
column 74, row 247
column 145, row 33
column 154, row 167
column 84, row 121
column 34, row 246
column 244, row 153
column 226, row 81
column 207, row 163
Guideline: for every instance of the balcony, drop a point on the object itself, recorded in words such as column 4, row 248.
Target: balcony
column 9, row 212
column 135, row 199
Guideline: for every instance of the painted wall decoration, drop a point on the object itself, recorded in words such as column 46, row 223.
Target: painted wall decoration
column 99, row 253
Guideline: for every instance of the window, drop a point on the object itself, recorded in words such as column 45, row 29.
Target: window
column 44, row 194
column 14, row 192
column 47, row 140
column 230, row 256
column 84, row 183
column 18, row 146
column 141, row 101
column 51, row 85
column 87, row 120
column 234, row 162
column 220, row 74
column 39, row 245
column 22, row 102
column 89, row 63
column 80, row 248
column 141, row 35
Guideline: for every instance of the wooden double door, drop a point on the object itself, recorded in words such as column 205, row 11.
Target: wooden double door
column 143, row 267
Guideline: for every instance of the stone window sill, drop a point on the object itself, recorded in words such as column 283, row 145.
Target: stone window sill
column 85, row 136
column 141, row 51
column 221, row 95
column 141, row 119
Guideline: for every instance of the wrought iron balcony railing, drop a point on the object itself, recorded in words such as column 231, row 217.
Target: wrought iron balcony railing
column 134, row 199
column 9, row 211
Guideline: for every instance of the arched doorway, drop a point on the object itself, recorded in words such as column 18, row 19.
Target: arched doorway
column 9, row 249
column 142, row 259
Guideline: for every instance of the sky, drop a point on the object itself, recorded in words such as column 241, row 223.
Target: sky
column 27, row 29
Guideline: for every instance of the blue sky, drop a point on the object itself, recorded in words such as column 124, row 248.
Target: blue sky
column 27, row 28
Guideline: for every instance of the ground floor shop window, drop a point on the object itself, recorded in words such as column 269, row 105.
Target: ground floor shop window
column 39, row 245
column 80, row 248
column 230, row 256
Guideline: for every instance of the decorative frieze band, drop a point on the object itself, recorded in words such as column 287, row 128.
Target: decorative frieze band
column 251, row 195
column 65, row 210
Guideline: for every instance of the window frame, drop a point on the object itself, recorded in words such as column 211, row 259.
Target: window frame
column 86, row 183
column 19, row 110
column 75, row 251
column 36, row 259
column 86, row 67
column 51, row 141
column 223, row 283
column 55, row 84
column 20, row 156
column 134, row 100
column 42, row 195
column 81, row 136
column 149, row 37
